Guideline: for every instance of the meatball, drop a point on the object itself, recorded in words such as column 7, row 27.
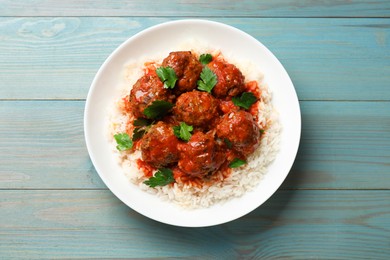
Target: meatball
column 196, row 108
column 241, row 130
column 230, row 79
column 147, row 89
column 187, row 69
column 159, row 146
column 200, row 156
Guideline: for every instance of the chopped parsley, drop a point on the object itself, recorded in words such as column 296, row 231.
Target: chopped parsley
column 138, row 133
column 245, row 100
column 205, row 58
column 236, row 163
column 158, row 109
column 183, row 131
column 228, row 143
column 142, row 122
column 167, row 75
column 124, row 142
column 143, row 125
column 162, row 177
column 207, row 81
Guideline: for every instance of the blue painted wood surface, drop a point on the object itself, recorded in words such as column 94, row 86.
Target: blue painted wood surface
column 242, row 8
column 327, row 59
column 335, row 203
column 338, row 150
column 299, row 224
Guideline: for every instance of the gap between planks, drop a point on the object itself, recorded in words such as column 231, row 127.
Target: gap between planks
column 199, row 16
column 83, row 100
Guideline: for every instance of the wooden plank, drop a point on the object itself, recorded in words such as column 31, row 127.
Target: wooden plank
column 291, row 224
column 42, row 146
column 344, row 145
column 276, row 8
column 328, row 59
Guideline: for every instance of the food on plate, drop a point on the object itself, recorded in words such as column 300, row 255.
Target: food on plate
column 230, row 79
column 187, row 69
column 147, row 89
column 197, row 108
column 159, row 145
column 201, row 155
column 194, row 127
column 240, row 130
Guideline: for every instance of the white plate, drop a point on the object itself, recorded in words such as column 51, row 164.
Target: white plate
column 158, row 39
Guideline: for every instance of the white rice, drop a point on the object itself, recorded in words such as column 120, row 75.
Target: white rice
column 241, row 180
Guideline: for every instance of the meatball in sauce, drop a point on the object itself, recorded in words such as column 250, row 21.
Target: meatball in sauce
column 230, row 81
column 201, row 155
column 241, row 130
column 147, row 89
column 187, row 68
column 196, row 108
column 159, row 146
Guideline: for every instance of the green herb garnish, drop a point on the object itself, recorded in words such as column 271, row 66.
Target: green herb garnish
column 207, row 81
column 161, row 178
column 183, row 131
column 124, row 142
column 167, row 75
column 262, row 131
column 228, row 143
column 158, row 109
column 236, row 163
column 142, row 122
column 143, row 125
column 205, row 58
column 245, row 100
column 138, row 133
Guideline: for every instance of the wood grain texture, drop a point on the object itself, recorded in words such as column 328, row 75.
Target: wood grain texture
column 291, row 224
column 334, row 204
column 327, row 59
column 42, row 146
column 344, row 145
column 245, row 8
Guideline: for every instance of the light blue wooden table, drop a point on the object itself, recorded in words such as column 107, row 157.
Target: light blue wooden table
column 335, row 203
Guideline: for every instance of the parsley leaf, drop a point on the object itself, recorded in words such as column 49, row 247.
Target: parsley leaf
column 167, row 75
column 138, row 133
column 245, row 100
column 124, row 142
column 205, row 58
column 228, row 143
column 236, row 163
column 157, row 109
column 143, row 126
column 142, row 122
column 161, row 178
column 183, row 131
column 262, row 131
column 207, row 81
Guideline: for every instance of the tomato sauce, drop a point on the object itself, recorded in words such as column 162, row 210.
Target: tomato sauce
column 214, row 142
column 146, row 168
